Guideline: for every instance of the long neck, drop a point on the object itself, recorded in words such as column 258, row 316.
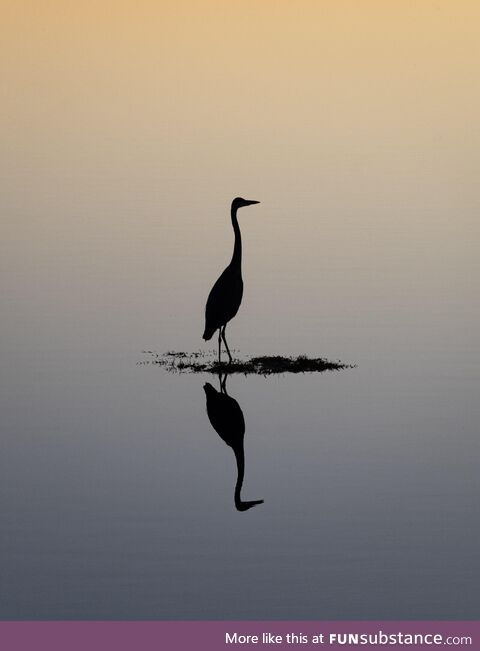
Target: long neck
column 237, row 248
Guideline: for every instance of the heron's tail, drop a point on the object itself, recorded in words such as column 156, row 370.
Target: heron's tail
column 208, row 334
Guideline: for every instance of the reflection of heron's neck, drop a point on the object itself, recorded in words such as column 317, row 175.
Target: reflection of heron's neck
column 237, row 249
column 240, row 458
column 240, row 505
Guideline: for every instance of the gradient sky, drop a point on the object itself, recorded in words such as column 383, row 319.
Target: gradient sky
column 127, row 127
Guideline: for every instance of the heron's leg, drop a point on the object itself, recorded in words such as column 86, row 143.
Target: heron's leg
column 226, row 345
column 223, row 388
column 219, row 344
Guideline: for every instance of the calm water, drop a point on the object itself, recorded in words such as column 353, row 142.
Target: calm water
column 117, row 494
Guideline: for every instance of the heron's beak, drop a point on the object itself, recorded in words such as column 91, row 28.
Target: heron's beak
column 249, row 203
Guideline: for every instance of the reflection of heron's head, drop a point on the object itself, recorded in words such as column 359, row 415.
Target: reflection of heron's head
column 244, row 506
column 240, row 203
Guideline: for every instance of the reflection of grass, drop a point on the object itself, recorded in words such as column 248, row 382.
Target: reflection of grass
column 182, row 362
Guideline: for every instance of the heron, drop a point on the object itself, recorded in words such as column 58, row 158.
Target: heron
column 226, row 417
column 226, row 295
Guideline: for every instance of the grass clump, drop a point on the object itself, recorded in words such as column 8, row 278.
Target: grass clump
column 200, row 362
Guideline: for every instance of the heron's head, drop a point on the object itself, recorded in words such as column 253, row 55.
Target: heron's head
column 240, row 203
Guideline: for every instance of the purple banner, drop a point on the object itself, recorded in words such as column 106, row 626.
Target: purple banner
column 225, row 635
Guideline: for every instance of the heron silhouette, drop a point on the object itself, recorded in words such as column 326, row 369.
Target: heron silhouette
column 226, row 418
column 226, row 295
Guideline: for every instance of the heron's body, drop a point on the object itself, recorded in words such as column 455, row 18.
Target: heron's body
column 224, row 300
column 226, row 295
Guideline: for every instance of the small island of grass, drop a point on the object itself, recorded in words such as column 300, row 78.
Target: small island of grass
column 198, row 362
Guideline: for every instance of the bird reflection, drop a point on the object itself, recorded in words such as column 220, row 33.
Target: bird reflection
column 226, row 418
